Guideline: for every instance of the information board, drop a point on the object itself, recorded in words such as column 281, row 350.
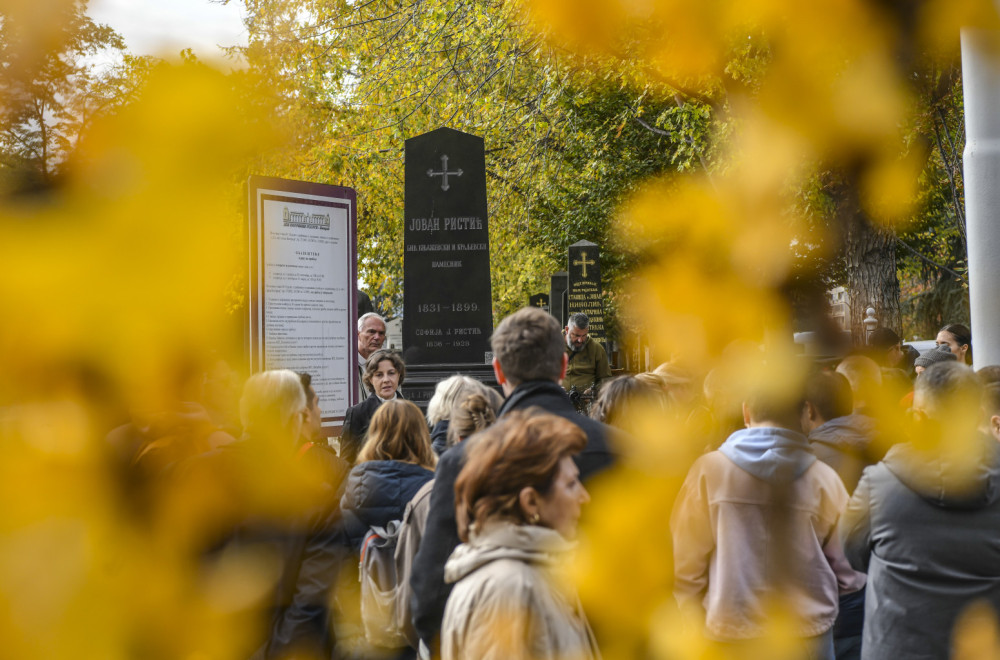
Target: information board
column 303, row 274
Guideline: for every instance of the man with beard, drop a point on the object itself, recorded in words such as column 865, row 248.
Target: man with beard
column 588, row 363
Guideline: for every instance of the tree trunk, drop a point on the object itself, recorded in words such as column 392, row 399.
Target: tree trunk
column 870, row 257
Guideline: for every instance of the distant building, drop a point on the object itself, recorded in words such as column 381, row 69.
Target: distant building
column 840, row 310
column 394, row 333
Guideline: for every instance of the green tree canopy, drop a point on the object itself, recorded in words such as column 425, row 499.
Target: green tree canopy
column 52, row 95
column 564, row 147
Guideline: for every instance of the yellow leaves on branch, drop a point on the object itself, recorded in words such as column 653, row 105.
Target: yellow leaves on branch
column 709, row 279
column 832, row 93
column 115, row 294
column 126, row 265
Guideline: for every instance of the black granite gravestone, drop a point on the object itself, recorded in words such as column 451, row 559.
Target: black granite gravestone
column 558, row 284
column 539, row 300
column 585, row 286
column 447, row 302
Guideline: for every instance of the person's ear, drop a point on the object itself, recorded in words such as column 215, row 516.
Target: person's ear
column 498, row 372
column 529, row 500
column 565, row 365
column 995, row 426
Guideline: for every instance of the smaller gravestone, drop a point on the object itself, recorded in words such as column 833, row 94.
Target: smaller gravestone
column 558, row 284
column 447, row 303
column 539, row 300
column 584, row 293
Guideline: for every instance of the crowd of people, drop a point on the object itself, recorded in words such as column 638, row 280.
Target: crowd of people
column 860, row 495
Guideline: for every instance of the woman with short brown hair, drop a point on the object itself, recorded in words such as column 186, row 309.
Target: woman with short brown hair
column 384, row 374
column 518, row 502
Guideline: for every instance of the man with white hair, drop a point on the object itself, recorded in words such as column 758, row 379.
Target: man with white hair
column 371, row 336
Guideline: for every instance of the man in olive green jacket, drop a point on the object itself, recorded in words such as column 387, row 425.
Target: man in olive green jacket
column 588, row 363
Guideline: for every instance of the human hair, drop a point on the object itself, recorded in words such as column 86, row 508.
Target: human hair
column 398, row 432
column 991, row 399
column 830, row 394
column 947, row 387
column 528, row 344
column 472, row 413
column 772, row 405
column 989, row 375
column 364, row 319
column 620, row 396
column 883, row 339
column 271, row 403
column 864, row 375
column 371, row 364
column 672, row 374
column 522, row 450
column 677, row 383
column 653, row 379
column 962, row 335
column 579, row 321
column 445, row 394
column 306, row 380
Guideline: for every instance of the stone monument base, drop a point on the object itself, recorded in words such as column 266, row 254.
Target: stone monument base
column 421, row 379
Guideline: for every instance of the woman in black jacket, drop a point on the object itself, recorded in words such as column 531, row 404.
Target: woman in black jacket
column 384, row 373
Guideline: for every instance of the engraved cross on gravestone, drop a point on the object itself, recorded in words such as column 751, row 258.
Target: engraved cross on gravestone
column 585, row 292
column 583, row 262
column 444, row 173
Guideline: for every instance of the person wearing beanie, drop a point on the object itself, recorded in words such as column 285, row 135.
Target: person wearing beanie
column 886, row 347
column 941, row 353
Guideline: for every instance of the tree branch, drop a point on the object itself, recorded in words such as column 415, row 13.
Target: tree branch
column 950, row 170
column 930, row 261
column 652, row 129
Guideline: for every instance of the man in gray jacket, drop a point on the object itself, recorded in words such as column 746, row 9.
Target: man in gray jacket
column 923, row 523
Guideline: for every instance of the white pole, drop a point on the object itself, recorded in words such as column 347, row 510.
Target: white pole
column 981, row 90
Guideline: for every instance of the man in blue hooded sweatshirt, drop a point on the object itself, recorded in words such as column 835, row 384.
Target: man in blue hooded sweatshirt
column 754, row 528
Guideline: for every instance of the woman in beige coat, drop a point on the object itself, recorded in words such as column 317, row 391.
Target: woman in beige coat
column 518, row 501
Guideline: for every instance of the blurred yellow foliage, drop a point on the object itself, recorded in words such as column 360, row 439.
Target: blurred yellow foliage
column 976, row 634
column 117, row 281
column 716, row 250
column 114, row 294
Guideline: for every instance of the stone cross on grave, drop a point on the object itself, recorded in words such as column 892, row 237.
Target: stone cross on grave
column 444, row 173
column 583, row 262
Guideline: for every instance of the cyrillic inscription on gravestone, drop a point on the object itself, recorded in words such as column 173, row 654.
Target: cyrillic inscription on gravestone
column 585, row 286
column 447, row 301
column 540, row 300
column 557, row 294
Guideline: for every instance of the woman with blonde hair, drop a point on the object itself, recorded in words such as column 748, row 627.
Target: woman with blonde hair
column 473, row 413
column 518, row 501
column 258, row 493
column 394, row 463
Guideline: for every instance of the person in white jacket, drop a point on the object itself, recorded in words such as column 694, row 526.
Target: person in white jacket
column 518, row 500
